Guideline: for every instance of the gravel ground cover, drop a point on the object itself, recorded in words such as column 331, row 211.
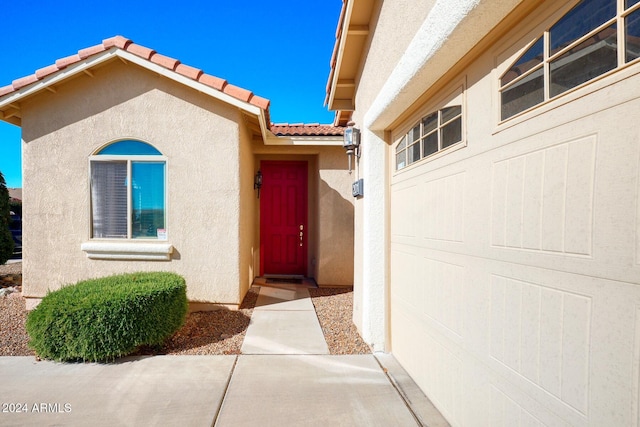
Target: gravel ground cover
column 334, row 307
column 204, row 333
column 13, row 335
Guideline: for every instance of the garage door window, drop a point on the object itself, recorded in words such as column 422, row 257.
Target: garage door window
column 579, row 47
column 128, row 192
column 435, row 132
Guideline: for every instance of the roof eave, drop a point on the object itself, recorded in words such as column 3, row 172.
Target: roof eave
column 338, row 52
column 193, row 84
column 49, row 82
column 346, row 61
column 264, row 121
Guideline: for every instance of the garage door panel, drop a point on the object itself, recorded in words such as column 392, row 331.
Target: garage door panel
column 500, row 173
column 405, row 209
column 547, row 344
column 543, row 200
column 638, row 216
column 559, row 338
column 508, row 407
column 545, row 314
column 433, row 285
column 406, row 268
column 432, row 361
column 532, row 201
column 442, row 216
column 579, row 194
column 443, row 297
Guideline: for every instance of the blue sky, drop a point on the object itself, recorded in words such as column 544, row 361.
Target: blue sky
column 278, row 49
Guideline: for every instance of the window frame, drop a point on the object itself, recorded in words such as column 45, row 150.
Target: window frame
column 129, row 159
column 453, row 98
column 542, row 31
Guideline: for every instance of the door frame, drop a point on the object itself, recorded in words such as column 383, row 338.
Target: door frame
column 305, row 198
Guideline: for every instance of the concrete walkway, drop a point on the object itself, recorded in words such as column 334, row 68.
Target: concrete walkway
column 284, row 321
column 285, row 377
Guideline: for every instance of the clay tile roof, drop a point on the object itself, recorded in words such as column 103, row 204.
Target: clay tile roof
column 187, row 71
column 301, row 129
column 85, row 53
column 165, row 61
column 260, row 102
column 24, row 81
column 238, row 92
column 150, row 55
column 141, row 51
column 44, row 72
column 6, row 89
column 212, row 81
column 65, row 62
column 117, row 41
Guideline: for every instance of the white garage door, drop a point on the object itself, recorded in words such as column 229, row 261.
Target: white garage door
column 515, row 271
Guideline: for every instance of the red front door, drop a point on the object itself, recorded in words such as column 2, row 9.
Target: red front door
column 283, row 218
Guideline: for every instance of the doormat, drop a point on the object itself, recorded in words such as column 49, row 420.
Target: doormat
column 285, row 280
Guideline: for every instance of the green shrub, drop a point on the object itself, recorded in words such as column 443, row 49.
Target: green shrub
column 101, row 319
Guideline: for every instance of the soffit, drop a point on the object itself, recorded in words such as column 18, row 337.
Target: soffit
column 351, row 38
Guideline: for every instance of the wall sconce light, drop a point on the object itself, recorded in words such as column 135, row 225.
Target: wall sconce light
column 257, row 182
column 351, row 142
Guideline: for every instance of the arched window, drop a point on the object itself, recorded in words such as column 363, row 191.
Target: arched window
column 128, row 192
column 579, row 47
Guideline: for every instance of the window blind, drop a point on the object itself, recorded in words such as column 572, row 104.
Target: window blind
column 109, row 199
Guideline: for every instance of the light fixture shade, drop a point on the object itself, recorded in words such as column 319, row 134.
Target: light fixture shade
column 351, row 138
column 257, row 180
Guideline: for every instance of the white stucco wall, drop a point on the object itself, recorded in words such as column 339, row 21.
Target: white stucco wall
column 198, row 135
column 393, row 25
column 335, row 219
column 249, row 205
column 385, row 91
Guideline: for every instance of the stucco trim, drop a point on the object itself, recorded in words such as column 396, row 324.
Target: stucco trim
column 128, row 251
column 450, row 31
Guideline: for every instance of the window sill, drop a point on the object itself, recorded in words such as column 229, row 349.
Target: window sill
column 128, row 251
